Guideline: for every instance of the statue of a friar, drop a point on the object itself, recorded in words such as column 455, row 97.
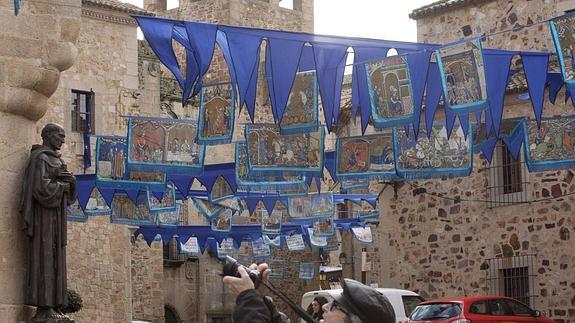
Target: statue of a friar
column 47, row 190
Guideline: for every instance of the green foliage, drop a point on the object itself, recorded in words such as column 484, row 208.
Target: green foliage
column 74, row 302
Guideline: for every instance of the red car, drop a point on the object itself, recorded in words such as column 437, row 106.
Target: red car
column 486, row 309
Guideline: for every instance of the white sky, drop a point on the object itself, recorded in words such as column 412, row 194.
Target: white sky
column 383, row 19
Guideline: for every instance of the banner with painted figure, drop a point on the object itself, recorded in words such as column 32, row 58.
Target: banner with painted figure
column 551, row 146
column 164, row 145
column 324, row 227
column 362, row 234
column 217, row 114
column 222, row 221
column 562, row 30
column 163, row 202
column 295, row 242
column 263, row 182
column 191, row 247
column 311, row 206
column 463, row 76
column 124, row 210
column 433, row 157
column 271, row 152
column 390, row 93
column 206, row 208
column 301, row 113
column 369, row 156
column 226, row 248
column 112, row 170
column 221, row 190
column 169, row 218
column 96, row 204
column 316, row 241
column 272, row 223
column 260, row 249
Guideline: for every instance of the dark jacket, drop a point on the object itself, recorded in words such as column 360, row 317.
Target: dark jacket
column 251, row 307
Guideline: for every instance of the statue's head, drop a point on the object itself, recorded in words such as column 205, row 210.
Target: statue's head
column 53, row 136
column 37, row 45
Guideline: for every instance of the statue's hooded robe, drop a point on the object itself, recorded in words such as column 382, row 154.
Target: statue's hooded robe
column 44, row 201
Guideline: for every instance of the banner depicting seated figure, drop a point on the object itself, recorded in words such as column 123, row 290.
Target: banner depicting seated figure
column 436, row 156
column 164, row 145
column 112, row 170
column 562, row 31
column 311, row 206
column 369, row 156
column 217, row 114
column 271, row 152
column 124, row 210
column 390, row 92
column 463, row 76
column 551, row 146
column 301, row 112
column 263, row 182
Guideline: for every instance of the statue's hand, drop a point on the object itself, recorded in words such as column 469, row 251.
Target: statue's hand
column 67, row 177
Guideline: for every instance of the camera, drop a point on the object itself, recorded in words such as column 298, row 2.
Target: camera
column 231, row 266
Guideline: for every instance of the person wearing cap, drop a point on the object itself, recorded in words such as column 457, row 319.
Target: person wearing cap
column 358, row 303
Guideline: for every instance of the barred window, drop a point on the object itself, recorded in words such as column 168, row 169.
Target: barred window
column 83, row 111
column 512, row 277
column 508, row 180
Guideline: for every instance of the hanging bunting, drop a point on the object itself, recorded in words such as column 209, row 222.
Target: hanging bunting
column 306, row 270
column 276, row 241
column 222, row 221
column 164, row 145
column 366, row 214
column 550, row 146
column 562, row 32
column 190, row 247
column 355, row 183
column 463, row 76
column 96, row 204
column 112, row 171
column 233, row 203
column 225, row 248
column 221, row 190
column 311, row 206
column 271, row 222
column 369, row 157
column 390, row 91
column 75, row 213
column 205, row 207
column 167, row 201
column 125, row 211
column 277, row 268
column 316, row 241
column 295, row 242
column 301, row 112
column 363, row 234
column 324, row 227
column 169, row 217
column 217, row 114
column 271, row 152
column 263, row 182
column 332, row 244
column 535, row 68
column 436, row 156
column 260, row 249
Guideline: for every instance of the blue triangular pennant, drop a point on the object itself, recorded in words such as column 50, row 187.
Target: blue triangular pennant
column 496, row 77
column 269, row 204
column 555, row 81
column 202, row 39
column 133, row 195
column 434, row 93
column 107, row 195
column 535, row 67
column 83, row 192
column 182, row 183
column 418, row 67
column 488, row 147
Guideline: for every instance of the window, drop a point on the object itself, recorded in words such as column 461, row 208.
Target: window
column 83, row 110
column 517, row 308
column 435, row 311
column 512, row 277
column 410, row 302
column 507, row 178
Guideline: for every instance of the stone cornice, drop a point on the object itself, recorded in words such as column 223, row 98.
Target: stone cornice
column 108, row 16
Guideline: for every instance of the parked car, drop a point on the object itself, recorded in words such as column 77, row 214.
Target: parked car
column 492, row 309
column 403, row 301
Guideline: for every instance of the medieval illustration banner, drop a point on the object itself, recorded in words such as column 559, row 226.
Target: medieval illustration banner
column 170, row 217
column 271, row 152
column 315, row 240
column 163, row 202
column 167, row 145
column 125, row 211
column 311, row 206
column 222, row 221
column 551, row 146
column 564, row 39
column 112, row 171
column 463, row 76
column 271, row 223
column 96, row 204
column 369, row 156
column 362, row 234
column 301, row 112
column 277, row 267
column 436, row 156
column 263, row 182
column 205, row 207
column 390, row 92
column 217, row 114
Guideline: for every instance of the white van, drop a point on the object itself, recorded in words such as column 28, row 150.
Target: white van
column 403, row 301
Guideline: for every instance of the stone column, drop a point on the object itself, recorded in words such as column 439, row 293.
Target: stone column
column 36, row 46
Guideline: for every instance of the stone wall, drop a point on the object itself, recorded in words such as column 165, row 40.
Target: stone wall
column 147, row 277
column 437, row 236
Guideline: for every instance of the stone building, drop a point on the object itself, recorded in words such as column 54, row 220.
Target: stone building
column 469, row 236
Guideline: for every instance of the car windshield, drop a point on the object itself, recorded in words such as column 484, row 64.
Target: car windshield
column 435, row 311
column 410, row 302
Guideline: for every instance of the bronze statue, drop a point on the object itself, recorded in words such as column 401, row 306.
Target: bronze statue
column 47, row 190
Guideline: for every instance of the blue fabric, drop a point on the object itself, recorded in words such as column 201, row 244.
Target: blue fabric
column 202, row 40
column 514, row 141
column 329, row 78
column 497, row 75
column 284, row 60
column 418, row 70
column 488, row 147
column 434, row 93
column 329, row 163
column 87, row 131
column 555, row 84
column 107, row 194
column 535, row 68
column 133, row 195
column 84, row 186
column 182, row 183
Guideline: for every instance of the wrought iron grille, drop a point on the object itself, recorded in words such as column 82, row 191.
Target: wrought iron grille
column 508, row 179
column 512, row 277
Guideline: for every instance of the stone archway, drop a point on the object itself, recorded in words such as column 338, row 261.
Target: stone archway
column 170, row 314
